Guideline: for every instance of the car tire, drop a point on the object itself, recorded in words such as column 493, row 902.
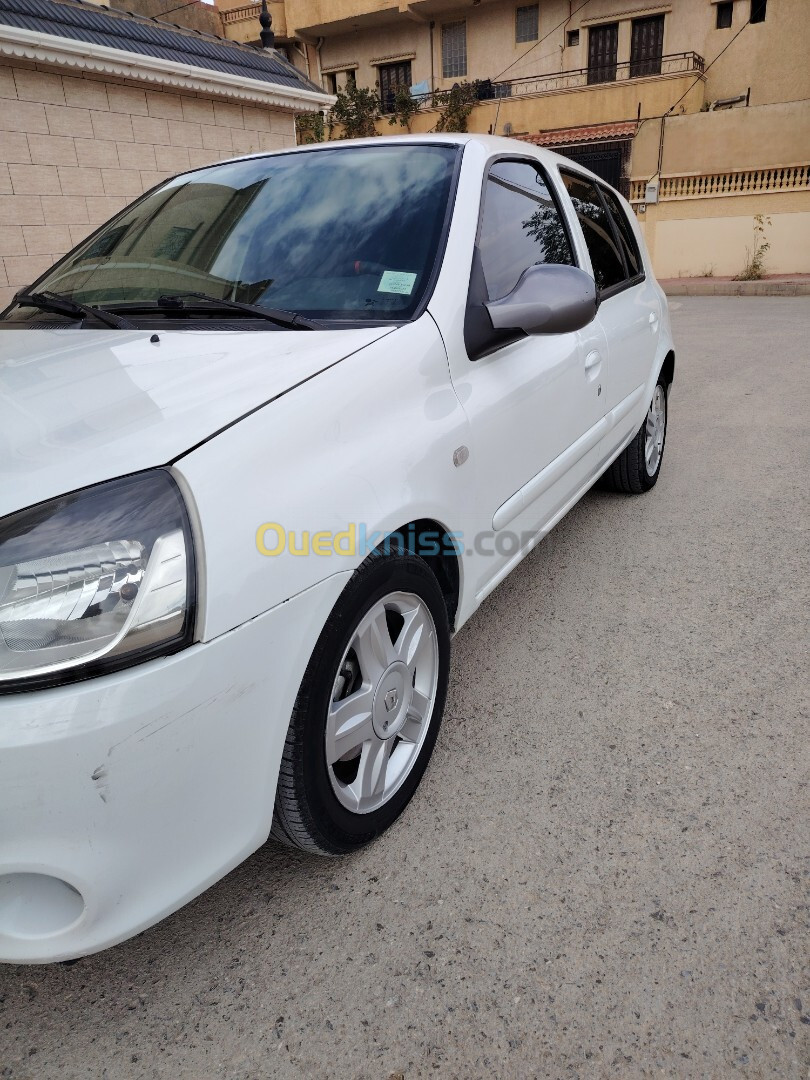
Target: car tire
column 368, row 712
column 636, row 469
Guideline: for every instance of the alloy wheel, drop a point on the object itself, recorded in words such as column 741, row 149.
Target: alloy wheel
column 382, row 702
column 655, row 431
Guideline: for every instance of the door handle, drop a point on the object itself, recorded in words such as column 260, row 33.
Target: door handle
column 592, row 360
column 653, row 321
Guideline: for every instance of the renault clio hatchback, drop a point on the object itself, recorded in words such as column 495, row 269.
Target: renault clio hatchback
column 267, row 440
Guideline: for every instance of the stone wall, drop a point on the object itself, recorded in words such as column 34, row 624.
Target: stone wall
column 75, row 149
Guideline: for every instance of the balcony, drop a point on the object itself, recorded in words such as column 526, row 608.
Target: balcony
column 242, row 22
column 578, row 78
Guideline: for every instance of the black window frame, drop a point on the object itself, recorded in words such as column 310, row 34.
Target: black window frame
column 759, row 11
column 388, row 93
column 629, row 240
column 572, row 39
column 606, row 72
column 642, row 65
column 628, row 282
column 480, row 339
column 724, row 15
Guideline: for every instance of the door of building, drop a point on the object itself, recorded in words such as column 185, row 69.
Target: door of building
column 607, row 159
column 392, row 76
column 646, row 46
column 603, row 45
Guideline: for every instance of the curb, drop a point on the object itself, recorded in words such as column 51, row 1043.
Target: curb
column 735, row 288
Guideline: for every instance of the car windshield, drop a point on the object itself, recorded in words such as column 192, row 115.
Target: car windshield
column 348, row 233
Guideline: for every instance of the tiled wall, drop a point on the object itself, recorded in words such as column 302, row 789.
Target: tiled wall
column 74, row 150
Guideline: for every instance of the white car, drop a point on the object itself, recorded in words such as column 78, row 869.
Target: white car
column 267, row 440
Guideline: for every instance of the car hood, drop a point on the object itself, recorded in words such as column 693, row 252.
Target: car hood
column 81, row 406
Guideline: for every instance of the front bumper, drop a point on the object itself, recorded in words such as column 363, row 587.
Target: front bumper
column 123, row 797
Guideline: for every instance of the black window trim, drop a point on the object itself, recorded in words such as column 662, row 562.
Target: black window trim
column 635, row 279
column 628, row 282
column 726, row 7
column 477, row 295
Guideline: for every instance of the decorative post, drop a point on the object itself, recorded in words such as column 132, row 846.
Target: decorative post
column 267, row 36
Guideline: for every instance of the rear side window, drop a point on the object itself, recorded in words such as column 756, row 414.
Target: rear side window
column 603, row 243
column 520, row 226
column 628, row 240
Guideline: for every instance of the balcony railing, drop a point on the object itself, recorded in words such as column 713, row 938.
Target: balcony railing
column 486, row 89
column 787, row 178
column 239, row 14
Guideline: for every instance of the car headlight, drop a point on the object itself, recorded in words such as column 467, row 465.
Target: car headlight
column 95, row 581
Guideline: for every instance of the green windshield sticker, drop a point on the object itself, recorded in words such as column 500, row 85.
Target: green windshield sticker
column 397, row 281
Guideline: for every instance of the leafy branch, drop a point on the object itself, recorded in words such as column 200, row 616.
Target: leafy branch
column 406, row 106
column 356, row 111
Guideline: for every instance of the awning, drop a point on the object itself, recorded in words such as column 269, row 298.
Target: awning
column 593, row 133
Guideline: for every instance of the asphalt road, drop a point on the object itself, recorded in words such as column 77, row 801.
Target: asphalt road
column 602, row 872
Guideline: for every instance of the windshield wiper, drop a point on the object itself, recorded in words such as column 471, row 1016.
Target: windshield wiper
column 289, row 319
column 63, row 305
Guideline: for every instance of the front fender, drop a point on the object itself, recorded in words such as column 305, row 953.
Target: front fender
column 369, row 443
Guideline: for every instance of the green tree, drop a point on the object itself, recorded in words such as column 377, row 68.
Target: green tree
column 356, row 111
column 457, row 103
column 406, row 106
column 309, row 128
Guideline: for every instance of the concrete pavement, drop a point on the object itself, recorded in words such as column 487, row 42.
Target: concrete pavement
column 604, row 873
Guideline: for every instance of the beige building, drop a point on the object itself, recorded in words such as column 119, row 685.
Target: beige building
column 98, row 106
column 699, row 110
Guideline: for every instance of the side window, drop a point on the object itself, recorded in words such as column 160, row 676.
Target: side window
column 520, row 226
column 628, row 240
column 603, row 246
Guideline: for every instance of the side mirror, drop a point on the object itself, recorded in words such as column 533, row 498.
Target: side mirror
column 548, row 299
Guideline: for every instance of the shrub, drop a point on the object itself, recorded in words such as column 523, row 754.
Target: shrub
column 458, row 104
column 754, row 268
column 356, row 111
column 309, row 128
column 406, row 106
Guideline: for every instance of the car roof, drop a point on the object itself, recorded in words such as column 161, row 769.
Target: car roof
column 493, row 144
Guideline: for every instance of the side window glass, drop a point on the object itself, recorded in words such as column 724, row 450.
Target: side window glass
column 626, row 236
column 520, row 226
column 603, row 248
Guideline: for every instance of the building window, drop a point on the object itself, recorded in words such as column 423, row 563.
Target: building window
column 391, row 76
column 454, row 50
column 725, row 13
column 573, row 38
column 758, row 8
column 527, row 22
column 603, row 44
column 646, row 46
column 336, row 81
